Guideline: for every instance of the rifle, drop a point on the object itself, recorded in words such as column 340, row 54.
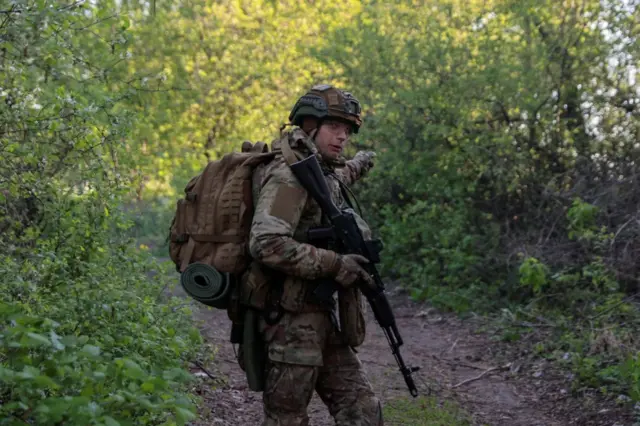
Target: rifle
column 347, row 233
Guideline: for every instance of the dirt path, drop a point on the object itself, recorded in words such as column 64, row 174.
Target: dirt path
column 496, row 383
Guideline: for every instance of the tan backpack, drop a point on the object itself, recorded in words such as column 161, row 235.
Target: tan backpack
column 212, row 222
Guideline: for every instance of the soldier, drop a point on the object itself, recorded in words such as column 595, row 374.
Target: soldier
column 310, row 345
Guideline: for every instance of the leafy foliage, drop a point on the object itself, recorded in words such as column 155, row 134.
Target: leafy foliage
column 486, row 104
column 219, row 73
column 85, row 337
column 507, row 134
column 507, row 177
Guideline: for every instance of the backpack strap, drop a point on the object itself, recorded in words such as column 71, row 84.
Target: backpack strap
column 288, row 154
column 191, row 240
column 206, row 238
column 292, row 156
column 260, row 147
column 188, row 252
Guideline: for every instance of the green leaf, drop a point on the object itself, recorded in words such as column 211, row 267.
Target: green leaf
column 35, row 340
column 147, row 387
column 124, row 22
column 28, row 372
column 133, row 370
column 184, row 415
column 46, row 381
column 91, row 350
column 56, row 341
column 110, row 421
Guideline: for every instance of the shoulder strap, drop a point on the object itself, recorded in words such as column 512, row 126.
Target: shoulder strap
column 288, row 153
column 260, row 147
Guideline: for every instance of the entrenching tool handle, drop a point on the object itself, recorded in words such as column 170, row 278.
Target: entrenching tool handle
column 253, row 352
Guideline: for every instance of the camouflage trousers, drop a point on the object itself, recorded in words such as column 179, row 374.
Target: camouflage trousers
column 305, row 354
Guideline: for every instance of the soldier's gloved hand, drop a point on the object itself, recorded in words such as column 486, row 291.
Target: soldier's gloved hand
column 365, row 158
column 350, row 270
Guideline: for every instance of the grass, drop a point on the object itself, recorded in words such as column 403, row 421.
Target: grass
column 424, row 411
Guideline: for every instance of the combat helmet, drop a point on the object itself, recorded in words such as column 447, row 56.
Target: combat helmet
column 326, row 101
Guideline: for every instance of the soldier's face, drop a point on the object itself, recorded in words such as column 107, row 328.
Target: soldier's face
column 332, row 137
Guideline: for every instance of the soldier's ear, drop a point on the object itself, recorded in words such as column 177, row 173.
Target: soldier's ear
column 309, row 124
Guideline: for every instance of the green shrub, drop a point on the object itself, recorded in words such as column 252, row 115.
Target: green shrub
column 86, row 335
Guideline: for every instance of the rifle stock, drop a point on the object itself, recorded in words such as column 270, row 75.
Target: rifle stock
column 348, row 235
column 310, row 175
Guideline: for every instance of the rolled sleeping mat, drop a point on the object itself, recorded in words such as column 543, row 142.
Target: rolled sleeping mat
column 206, row 285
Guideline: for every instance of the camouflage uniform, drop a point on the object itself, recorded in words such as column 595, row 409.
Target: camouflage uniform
column 306, row 351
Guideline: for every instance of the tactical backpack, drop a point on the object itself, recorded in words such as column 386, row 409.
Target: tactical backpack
column 213, row 220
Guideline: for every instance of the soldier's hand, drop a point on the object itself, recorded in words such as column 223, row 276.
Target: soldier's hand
column 366, row 159
column 350, row 270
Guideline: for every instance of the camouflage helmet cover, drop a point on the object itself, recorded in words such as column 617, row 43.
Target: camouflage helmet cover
column 326, row 101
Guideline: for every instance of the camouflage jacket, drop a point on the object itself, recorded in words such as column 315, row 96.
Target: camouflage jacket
column 283, row 214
